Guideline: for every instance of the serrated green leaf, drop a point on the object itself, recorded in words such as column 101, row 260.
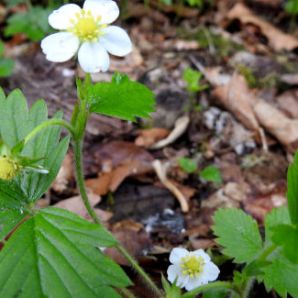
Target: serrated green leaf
column 281, row 275
column 292, row 193
column 238, row 233
column 56, row 254
column 11, row 195
column 121, row 98
column 8, row 220
column 46, row 147
column 286, row 236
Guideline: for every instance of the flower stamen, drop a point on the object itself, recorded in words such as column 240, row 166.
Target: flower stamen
column 192, row 266
column 86, row 27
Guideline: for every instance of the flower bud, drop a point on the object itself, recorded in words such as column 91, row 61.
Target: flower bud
column 8, row 168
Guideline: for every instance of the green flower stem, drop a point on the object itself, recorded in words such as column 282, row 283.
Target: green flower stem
column 267, row 252
column 45, row 124
column 211, row 286
column 81, row 184
column 139, row 269
column 80, row 179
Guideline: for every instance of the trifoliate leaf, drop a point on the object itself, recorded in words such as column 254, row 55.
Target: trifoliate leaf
column 57, row 254
column 292, row 193
column 121, row 98
column 281, row 275
column 238, row 233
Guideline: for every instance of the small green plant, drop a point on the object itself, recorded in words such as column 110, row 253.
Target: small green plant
column 193, row 79
column 188, row 165
column 6, row 65
column 211, row 174
column 292, row 7
column 193, row 3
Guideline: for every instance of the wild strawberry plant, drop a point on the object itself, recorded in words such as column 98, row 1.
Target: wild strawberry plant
column 52, row 252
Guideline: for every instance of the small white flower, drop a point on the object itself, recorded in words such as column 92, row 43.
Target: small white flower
column 191, row 269
column 86, row 31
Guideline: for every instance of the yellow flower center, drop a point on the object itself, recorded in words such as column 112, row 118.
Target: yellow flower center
column 192, row 266
column 86, row 27
column 8, row 168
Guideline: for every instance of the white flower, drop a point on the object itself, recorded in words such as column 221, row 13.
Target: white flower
column 191, row 269
column 86, row 31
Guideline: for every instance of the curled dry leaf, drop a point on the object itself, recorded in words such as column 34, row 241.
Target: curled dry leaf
column 238, row 99
column 65, row 175
column 148, row 137
column 282, row 127
column 161, row 171
column 181, row 125
column 277, row 39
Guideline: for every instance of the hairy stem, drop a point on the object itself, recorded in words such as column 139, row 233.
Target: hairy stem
column 81, row 184
column 46, row 124
column 80, row 179
column 140, row 270
column 214, row 285
column 126, row 293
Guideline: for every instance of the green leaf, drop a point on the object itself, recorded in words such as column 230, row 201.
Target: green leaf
column 286, row 236
column 281, row 275
column 292, row 193
column 211, row 174
column 11, row 195
column 6, row 67
column 121, row 98
column 8, row 220
column 193, row 80
column 216, row 293
column 277, row 216
column 238, row 233
column 57, row 254
column 17, row 122
column 188, row 165
column 33, row 23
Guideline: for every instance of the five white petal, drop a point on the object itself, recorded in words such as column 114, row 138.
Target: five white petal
column 210, row 271
column 93, row 56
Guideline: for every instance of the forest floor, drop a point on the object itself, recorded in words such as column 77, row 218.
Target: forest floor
column 244, row 124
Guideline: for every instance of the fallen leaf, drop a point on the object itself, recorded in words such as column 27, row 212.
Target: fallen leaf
column 282, row 127
column 181, row 125
column 119, row 160
column 147, row 137
column 277, row 39
column 76, row 205
column 236, row 97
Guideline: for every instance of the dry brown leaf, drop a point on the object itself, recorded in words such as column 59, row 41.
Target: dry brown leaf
column 288, row 103
column 65, row 175
column 277, row 39
column 119, row 160
column 76, row 205
column 282, row 127
column 238, row 99
column 181, row 125
column 147, row 137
